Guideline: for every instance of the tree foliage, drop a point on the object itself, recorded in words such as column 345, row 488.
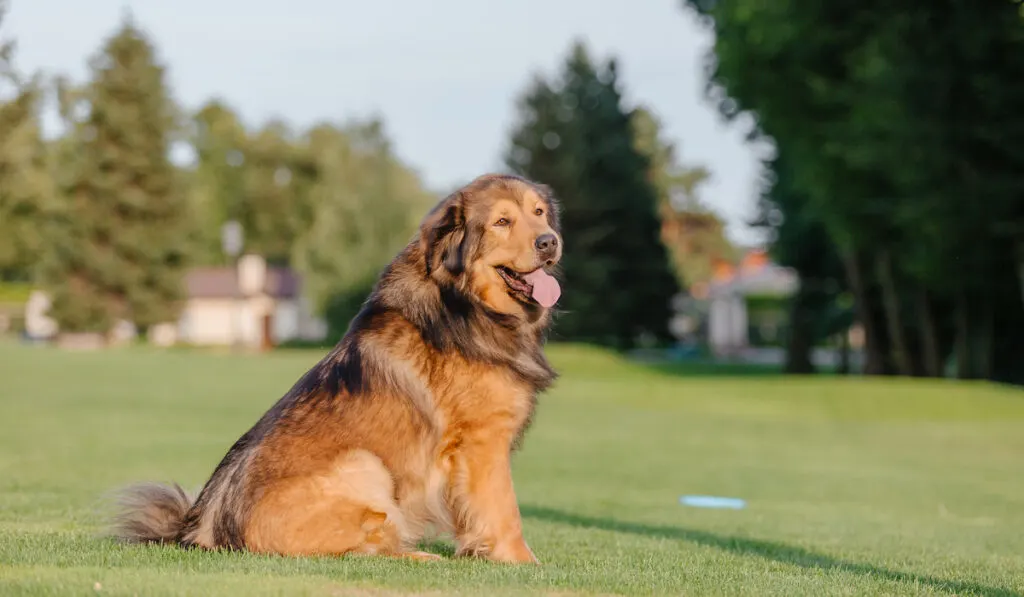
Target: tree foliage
column 25, row 188
column 110, row 222
column 900, row 129
column 334, row 202
column 116, row 245
column 693, row 234
column 574, row 134
column 272, row 207
column 367, row 205
column 215, row 184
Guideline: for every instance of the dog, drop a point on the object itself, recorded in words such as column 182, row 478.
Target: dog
column 406, row 429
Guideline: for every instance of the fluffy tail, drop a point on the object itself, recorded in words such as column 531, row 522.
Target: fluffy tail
column 150, row 513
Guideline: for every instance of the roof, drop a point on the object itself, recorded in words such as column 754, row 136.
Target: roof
column 756, row 274
column 221, row 282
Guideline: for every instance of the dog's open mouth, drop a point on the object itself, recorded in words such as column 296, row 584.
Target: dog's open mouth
column 515, row 280
column 537, row 285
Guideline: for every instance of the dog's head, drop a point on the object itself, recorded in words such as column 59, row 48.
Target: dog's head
column 497, row 238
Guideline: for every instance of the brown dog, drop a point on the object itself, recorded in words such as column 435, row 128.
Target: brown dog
column 408, row 425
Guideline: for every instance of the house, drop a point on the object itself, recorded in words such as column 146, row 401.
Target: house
column 255, row 305
column 746, row 303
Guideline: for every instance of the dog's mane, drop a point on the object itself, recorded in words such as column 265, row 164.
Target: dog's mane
column 449, row 320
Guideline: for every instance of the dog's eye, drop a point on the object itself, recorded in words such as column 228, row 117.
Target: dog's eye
column 539, row 211
column 502, row 222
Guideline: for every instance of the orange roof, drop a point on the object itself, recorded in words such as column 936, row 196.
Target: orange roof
column 754, row 260
column 722, row 271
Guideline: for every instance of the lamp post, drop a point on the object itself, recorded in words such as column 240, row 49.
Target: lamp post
column 232, row 240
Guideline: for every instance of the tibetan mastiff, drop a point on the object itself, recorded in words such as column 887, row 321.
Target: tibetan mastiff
column 407, row 427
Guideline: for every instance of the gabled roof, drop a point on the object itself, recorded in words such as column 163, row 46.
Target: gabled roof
column 756, row 274
column 222, row 282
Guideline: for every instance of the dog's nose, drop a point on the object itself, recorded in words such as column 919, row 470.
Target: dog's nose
column 546, row 243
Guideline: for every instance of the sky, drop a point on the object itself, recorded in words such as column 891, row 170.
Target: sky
column 444, row 75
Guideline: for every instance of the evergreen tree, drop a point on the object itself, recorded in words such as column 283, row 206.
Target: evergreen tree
column 577, row 137
column 117, row 247
column 24, row 180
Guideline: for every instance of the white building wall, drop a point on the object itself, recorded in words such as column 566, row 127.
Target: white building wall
column 727, row 323
column 208, row 322
column 286, row 321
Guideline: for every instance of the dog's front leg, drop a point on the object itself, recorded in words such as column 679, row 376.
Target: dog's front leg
column 486, row 515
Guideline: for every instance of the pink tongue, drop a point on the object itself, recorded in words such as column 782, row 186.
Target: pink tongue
column 545, row 288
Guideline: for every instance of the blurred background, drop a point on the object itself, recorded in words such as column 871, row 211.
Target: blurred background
column 798, row 185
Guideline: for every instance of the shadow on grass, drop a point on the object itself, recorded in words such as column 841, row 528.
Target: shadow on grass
column 769, row 550
column 445, row 549
column 707, row 369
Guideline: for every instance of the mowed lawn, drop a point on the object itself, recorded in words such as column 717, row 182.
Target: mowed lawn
column 853, row 486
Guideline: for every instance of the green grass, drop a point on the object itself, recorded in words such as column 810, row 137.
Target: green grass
column 854, row 486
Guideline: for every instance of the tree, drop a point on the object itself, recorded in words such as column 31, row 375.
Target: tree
column 117, row 245
column 24, row 181
column 693, row 234
column 216, row 187
column 261, row 179
column 800, row 240
column 333, row 202
column 367, row 205
column 274, row 208
column 793, row 75
column 575, row 135
column 964, row 216
column 900, row 131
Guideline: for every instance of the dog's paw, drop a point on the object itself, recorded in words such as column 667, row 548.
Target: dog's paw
column 515, row 552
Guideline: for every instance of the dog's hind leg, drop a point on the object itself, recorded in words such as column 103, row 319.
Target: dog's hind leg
column 347, row 509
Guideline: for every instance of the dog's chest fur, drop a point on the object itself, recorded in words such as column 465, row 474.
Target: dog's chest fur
column 477, row 411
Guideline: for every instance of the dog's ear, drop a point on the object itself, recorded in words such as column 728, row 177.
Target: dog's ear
column 443, row 235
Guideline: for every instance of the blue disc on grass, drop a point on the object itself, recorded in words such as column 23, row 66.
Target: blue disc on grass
column 711, row 501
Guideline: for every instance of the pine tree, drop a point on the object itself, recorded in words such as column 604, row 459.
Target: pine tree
column 24, row 180
column 576, row 136
column 118, row 245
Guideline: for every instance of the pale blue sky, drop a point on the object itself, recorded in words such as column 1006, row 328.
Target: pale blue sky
column 444, row 74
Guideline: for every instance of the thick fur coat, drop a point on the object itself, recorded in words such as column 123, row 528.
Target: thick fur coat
column 407, row 427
